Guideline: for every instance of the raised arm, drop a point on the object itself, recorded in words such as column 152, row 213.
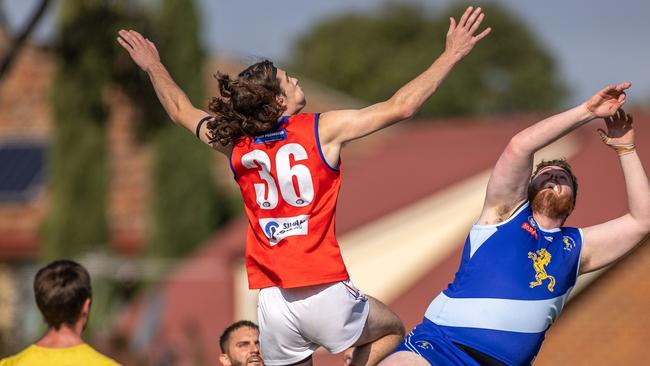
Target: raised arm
column 508, row 184
column 171, row 96
column 607, row 242
column 339, row 127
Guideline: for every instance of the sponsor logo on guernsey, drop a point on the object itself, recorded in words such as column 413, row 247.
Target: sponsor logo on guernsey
column 569, row 243
column 541, row 259
column 271, row 137
column 526, row 226
column 424, row 344
column 532, row 222
column 279, row 228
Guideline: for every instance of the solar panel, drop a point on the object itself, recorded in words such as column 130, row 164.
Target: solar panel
column 21, row 170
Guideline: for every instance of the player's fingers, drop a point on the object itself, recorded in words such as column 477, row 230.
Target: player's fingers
column 483, row 34
column 603, row 136
column 472, row 17
column 608, row 90
column 466, row 14
column 133, row 41
column 126, row 36
column 476, row 24
column 623, row 86
column 138, row 38
column 124, row 44
column 452, row 25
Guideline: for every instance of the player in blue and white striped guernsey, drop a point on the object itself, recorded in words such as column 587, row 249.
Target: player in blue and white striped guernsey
column 519, row 263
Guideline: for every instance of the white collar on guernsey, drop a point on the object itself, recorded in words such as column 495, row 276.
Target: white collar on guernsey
column 548, row 230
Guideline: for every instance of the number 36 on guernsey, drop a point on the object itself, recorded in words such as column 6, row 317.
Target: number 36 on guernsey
column 258, row 159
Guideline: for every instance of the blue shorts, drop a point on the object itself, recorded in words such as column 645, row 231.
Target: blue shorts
column 428, row 341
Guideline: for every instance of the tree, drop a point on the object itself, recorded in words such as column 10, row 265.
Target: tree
column 371, row 56
column 187, row 206
column 76, row 222
column 77, row 218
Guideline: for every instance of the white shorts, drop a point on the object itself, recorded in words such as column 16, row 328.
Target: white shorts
column 296, row 321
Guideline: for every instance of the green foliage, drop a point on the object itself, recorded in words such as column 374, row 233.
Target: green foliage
column 179, row 45
column 371, row 56
column 148, row 114
column 77, row 218
column 186, row 202
column 177, row 21
column 77, row 222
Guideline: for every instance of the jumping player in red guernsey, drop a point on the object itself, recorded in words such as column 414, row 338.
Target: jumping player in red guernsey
column 291, row 241
column 287, row 166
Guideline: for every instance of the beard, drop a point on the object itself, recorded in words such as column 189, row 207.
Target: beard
column 547, row 203
column 235, row 362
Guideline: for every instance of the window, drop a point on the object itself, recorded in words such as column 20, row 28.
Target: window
column 22, row 166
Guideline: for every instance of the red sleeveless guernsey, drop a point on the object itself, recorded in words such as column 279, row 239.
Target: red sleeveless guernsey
column 290, row 195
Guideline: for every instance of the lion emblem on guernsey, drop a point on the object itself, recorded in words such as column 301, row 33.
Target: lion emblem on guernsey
column 540, row 261
column 569, row 243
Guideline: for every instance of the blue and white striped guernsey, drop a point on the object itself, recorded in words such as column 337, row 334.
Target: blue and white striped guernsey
column 513, row 280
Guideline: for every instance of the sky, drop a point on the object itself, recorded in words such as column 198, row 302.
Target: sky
column 595, row 42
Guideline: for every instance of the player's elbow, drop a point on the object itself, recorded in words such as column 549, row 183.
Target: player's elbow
column 403, row 109
column 181, row 115
column 517, row 146
column 639, row 225
column 407, row 113
column 644, row 225
column 179, row 108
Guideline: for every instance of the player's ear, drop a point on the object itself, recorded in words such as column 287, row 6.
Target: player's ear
column 224, row 359
column 282, row 100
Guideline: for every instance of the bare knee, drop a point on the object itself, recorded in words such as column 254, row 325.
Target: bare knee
column 393, row 324
column 396, row 327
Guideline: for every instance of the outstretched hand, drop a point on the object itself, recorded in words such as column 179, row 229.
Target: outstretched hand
column 606, row 102
column 619, row 130
column 142, row 51
column 460, row 37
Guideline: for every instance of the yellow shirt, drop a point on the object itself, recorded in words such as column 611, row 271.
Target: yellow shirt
column 81, row 355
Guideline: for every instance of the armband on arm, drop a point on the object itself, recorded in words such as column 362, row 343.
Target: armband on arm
column 200, row 124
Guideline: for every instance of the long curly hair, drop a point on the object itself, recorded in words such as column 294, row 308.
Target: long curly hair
column 248, row 105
